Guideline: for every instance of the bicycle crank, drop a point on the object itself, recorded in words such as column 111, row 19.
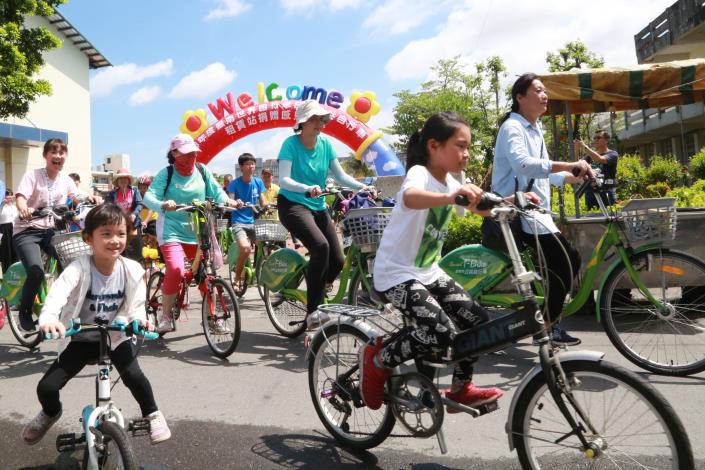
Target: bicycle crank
column 416, row 404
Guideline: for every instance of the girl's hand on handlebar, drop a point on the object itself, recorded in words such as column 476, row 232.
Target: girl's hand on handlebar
column 56, row 329
column 169, row 205
column 471, row 192
column 315, row 191
column 147, row 325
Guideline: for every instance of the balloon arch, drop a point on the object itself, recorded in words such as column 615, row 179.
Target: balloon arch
column 367, row 144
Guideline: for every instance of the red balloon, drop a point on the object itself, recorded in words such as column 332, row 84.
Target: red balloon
column 363, row 105
column 193, row 123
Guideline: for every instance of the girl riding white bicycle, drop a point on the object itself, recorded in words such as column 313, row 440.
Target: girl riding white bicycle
column 102, row 287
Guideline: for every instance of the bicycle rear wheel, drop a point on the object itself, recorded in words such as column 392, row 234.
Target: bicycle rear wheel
column 13, row 318
column 671, row 342
column 267, row 250
column 220, row 316
column 336, row 399
column 117, row 452
column 154, row 296
column 636, row 426
column 287, row 314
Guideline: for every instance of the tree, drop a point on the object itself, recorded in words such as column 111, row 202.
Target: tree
column 21, row 52
column 573, row 55
column 356, row 168
column 474, row 96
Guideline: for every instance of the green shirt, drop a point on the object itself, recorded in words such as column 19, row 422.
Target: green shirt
column 308, row 166
column 182, row 190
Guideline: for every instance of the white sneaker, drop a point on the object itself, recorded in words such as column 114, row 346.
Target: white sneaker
column 316, row 319
column 219, row 327
column 38, row 427
column 158, row 429
column 166, row 325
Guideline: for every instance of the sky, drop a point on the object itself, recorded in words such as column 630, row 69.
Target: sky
column 172, row 56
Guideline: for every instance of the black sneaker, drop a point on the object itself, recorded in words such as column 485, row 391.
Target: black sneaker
column 561, row 337
column 27, row 322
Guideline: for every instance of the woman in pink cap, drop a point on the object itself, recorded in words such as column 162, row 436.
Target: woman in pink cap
column 128, row 198
column 180, row 183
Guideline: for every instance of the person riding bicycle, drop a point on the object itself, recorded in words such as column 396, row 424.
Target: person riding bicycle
column 182, row 182
column 304, row 162
column 246, row 188
column 100, row 288
column 406, row 268
column 43, row 187
column 129, row 199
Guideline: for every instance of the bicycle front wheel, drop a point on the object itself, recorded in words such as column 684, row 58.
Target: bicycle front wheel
column 13, row 318
column 220, row 315
column 287, row 314
column 670, row 342
column 117, row 452
column 635, row 427
column 336, row 395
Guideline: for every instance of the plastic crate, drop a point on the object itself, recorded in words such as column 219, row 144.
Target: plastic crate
column 69, row 246
column 270, row 231
column 650, row 220
column 366, row 226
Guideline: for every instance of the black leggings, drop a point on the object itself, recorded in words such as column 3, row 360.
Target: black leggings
column 434, row 312
column 316, row 231
column 75, row 357
column 559, row 268
column 29, row 245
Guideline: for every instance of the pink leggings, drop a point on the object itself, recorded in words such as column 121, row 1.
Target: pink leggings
column 173, row 253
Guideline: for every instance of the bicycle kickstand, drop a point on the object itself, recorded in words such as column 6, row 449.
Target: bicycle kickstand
column 442, row 441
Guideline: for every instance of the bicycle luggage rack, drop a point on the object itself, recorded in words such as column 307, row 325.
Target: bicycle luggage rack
column 652, row 220
column 69, row 246
column 366, row 226
column 270, row 231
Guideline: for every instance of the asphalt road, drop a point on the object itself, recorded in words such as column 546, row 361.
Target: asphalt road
column 254, row 409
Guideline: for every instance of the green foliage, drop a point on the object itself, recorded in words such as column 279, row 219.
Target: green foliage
column 356, row 168
column 631, row 177
column 663, row 170
column 657, row 190
column 697, row 165
column 474, row 96
column 21, row 52
column 694, row 196
column 462, row 231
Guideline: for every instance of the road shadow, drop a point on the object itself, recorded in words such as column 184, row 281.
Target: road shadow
column 17, row 361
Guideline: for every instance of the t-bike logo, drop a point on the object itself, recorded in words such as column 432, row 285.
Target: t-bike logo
column 471, row 266
column 104, row 374
column 279, row 266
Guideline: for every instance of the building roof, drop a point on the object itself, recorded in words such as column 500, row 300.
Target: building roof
column 96, row 60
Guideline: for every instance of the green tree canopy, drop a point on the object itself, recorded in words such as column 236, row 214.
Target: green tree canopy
column 21, row 52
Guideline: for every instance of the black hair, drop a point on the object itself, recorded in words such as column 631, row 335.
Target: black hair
column 170, row 157
column 244, row 158
column 439, row 127
column 53, row 144
column 104, row 214
column 520, row 87
column 75, row 176
column 603, row 133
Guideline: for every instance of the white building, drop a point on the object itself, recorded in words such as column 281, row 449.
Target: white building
column 112, row 163
column 65, row 114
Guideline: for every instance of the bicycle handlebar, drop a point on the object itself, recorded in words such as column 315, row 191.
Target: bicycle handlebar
column 75, row 328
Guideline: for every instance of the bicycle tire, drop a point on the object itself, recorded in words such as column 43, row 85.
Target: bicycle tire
column 13, row 318
column 669, row 345
column 154, row 296
column 628, row 435
column 334, row 351
column 283, row 311
column 358, row 294
column 221, row 295
column 267, row 250
column 118, row 452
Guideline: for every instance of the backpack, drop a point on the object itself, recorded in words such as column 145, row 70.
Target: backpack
column 170, row 173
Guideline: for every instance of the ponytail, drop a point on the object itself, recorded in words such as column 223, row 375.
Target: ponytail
column 416, row 153
column 439, row 127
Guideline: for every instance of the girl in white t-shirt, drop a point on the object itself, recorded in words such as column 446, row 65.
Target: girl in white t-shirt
column 406, row 268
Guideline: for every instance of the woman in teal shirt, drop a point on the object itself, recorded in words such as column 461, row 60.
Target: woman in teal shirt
column 180, row 183
column 304, row 162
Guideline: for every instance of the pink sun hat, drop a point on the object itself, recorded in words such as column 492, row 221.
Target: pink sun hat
column 184, row 143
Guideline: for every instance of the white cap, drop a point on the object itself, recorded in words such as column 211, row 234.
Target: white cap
column 307, row 110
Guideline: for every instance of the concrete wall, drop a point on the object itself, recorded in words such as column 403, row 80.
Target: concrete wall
column 68, row 110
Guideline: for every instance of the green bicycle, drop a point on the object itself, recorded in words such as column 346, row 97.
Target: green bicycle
column 284, row 281
column 651, row 301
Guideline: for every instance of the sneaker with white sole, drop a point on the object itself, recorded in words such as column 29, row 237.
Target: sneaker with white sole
column 316, row 319
column 158, row 429
column 166, row 325
column 38, row 427
column 218, row 327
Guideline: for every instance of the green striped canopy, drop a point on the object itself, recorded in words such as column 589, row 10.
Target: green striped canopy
column 618, row 89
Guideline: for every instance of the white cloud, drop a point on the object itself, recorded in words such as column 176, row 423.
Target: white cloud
column 203, row 83
column 145, row 95
column 307, row 6
column 103, row 82
column 399, row 16
column 228, row 9
column 522, row 34
column 389, row 166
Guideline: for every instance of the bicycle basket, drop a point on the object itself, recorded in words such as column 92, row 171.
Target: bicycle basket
column 221, row 225
column 367, row 225
column 69, row 246
column 270, row 231
column 649, row 219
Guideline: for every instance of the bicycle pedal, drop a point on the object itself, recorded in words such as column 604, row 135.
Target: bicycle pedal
column 138, row 427
column 488, row 408
column 69, row 442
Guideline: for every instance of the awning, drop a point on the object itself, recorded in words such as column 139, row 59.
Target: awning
column 617, row 89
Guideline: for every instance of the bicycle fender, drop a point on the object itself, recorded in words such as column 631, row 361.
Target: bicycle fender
column 362, row 326
column 570, row 356
column 614, row 266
